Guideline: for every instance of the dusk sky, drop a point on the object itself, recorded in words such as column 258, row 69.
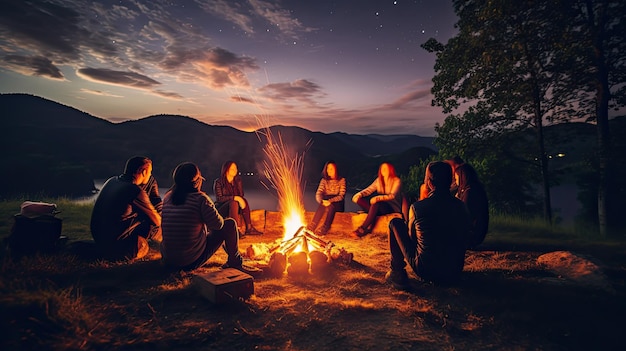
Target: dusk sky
column 354, row 66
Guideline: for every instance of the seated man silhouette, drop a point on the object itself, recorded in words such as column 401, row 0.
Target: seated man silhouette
column 124, row 216
column 433, row 242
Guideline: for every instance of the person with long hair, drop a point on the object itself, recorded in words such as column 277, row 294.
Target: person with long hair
column 193, row 229
column 381, row 197
column 229, row 197
column 330, row 196
column 472, row 192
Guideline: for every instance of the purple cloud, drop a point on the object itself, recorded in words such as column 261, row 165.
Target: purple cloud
column 123, row 78
column 33, row 66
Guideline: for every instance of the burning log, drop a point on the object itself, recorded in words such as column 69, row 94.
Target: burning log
column 341, row 256
column 302, row 251
column 298, row 263
column 319, row 261
column 277, row 263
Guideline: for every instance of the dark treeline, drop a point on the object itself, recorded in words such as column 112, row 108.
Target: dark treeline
column 514, row 69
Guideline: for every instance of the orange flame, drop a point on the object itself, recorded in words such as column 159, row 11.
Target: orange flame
column 284, row 171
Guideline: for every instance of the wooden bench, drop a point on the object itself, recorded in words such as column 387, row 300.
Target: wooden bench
column 344, row 224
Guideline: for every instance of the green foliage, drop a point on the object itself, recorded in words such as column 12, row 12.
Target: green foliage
column 515, row 67
column 412, row 181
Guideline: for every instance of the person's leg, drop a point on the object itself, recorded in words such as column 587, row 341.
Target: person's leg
column 362, row 230
column 132, row 244
column 149, row 231
column 400, row 245
column 364, row 203
column 246, row 215
column 371, row 216
column 316, row 217
column 250, row 229
column 330, row 216
column 228, row 236
column 126, row 248
column 384, row 208
column 403, row 249
column 223, row 208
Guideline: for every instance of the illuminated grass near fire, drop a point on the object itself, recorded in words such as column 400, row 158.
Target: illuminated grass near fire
column 284, row 170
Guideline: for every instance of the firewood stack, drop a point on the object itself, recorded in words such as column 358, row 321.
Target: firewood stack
column 303, row 251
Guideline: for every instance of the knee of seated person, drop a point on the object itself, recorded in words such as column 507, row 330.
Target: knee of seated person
column 396, row 223
column 229, row 224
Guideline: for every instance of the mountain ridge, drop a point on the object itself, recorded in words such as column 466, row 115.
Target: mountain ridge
column 50, row 145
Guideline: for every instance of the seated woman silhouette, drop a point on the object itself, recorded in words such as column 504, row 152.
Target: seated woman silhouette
column 229, row 197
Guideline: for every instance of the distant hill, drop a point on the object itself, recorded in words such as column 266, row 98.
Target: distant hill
column 57, row 149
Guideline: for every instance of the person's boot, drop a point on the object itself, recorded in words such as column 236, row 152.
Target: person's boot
column 323, row 230
column 398, row 278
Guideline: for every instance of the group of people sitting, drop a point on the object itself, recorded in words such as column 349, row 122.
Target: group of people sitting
column 188, row 226
column 450, row 216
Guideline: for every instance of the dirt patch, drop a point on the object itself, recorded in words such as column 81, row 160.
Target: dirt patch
column 575, row 269
column 502, row 303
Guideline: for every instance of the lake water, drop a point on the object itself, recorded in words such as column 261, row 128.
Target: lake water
column 259, row 199
column 564, row 202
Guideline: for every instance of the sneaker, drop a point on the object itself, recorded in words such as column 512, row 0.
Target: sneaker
column 398, row 278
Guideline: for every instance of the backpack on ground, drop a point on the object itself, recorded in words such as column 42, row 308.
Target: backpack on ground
column 35, row 229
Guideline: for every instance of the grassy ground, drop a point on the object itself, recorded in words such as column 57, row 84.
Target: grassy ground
column 506, row 300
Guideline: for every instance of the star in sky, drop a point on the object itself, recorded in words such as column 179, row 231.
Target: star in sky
column 353, row 66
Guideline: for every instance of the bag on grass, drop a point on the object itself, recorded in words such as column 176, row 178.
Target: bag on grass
column 35, row 229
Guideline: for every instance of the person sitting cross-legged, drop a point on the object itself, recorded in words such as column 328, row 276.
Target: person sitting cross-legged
column 193, row 230
column 433, row 243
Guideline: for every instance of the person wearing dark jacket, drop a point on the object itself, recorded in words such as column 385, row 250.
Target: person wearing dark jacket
column 193, row 229
column 124, row 217
column 471, row 191
column 433, row 242
column 229, row 196
column 330, row 196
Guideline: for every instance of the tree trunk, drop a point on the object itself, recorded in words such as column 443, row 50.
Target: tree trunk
column 547, row 201
column 543, row 158
column 604, row 146
column 603, row 95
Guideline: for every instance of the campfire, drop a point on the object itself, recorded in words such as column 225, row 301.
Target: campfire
column 300, row 250
column 302, row 253
column 305, row 251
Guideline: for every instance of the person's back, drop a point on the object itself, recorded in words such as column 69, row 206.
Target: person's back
column 440, row 226
column 193, row 229
column 433, row 239
column 113, row 210
column 185, row 227
column 123, row 218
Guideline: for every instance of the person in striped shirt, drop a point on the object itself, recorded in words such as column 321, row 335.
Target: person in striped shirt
column 330, row 196
column 193, row 229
